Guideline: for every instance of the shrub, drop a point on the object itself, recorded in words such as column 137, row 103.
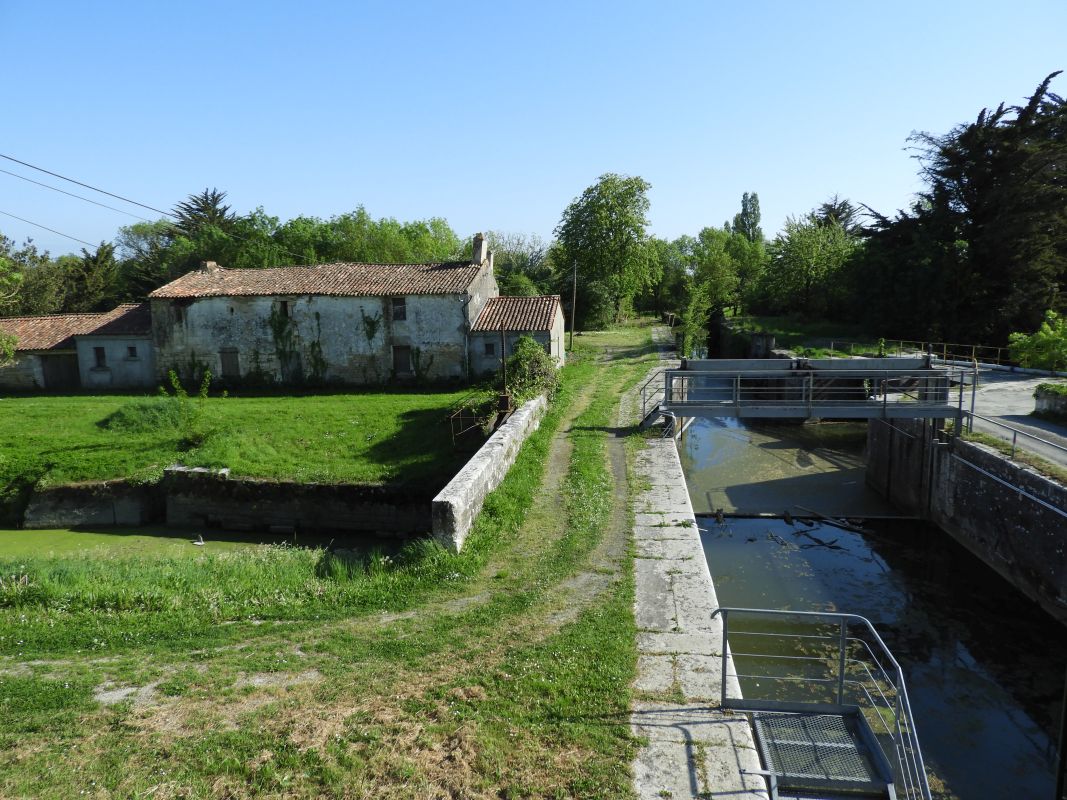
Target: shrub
column 1046, row 348
column 531, row 371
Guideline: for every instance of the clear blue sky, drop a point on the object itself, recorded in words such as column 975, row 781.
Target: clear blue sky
column 495, row 115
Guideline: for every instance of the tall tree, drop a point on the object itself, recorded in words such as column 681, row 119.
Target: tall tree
column 747, row 221
column 200, row 210
column 93, row 281
column 984, row 250
column 602, row 236
column 806, row 259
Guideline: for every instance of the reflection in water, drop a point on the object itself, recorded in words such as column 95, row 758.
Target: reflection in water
column 984, row 666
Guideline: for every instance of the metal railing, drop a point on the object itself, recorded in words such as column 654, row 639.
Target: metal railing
column 809, row 391
column 946, row 351
column 651, row 393
column 806, row 662
column 1015, row 433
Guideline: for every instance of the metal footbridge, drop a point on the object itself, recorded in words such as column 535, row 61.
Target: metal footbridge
column 827, row 703
column 875, row 388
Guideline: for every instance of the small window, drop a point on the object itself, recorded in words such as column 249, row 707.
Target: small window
column 490, row 348
column 100, row 357
column 400, row 309
column 131, row 352
column 283, row 308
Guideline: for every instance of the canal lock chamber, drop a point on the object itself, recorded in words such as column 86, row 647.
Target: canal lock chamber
column 984, row 665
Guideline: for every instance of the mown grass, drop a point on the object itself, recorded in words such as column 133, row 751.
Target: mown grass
column 477, row 694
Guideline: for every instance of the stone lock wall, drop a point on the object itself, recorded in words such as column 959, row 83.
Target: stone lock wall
column 1002, row 512
column 104, row 504
column 198, row 497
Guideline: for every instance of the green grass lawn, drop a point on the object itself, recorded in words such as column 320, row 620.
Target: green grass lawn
column 365, row 437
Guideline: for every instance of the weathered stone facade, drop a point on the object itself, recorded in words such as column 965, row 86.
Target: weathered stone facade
column 344, row 323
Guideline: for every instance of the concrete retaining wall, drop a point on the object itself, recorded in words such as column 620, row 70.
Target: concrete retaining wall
column 456, row 507
column 997, row 509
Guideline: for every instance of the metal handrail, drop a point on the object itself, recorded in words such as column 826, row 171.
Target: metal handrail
column 811, row 387
column 864, row 673
column 658, row 392
column 1015, row 432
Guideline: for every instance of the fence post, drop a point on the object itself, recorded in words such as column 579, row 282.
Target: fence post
column 725, row 640
column 841, row 664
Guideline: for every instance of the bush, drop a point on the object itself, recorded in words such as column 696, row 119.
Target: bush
column 531, row 371
column 1046, row 348
column 167, row 412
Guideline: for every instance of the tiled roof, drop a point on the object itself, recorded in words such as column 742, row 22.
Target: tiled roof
column 518, row 314
column 343, row 279
column 57, row 331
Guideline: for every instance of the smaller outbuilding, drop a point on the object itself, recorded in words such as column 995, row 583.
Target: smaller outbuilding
column 504, row 319
column 112, row 349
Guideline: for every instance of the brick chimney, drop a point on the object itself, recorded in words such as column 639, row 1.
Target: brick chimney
column 209, row 266
column 481, row 249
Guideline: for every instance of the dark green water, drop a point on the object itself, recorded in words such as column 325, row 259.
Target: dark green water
column 984, row 666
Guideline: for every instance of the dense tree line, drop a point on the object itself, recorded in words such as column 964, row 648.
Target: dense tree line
column 146, row 255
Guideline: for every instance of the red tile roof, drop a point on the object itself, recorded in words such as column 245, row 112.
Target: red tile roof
column 518, row 314
column 342, row 279
column 57, row 331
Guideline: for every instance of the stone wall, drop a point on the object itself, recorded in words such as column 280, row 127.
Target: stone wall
column 24, row 374
column 456, row 507
column 1001, row 511
column 197, row 497
column 334, row 339
column 105, row 504
column 121, row 369
column 1050, row 402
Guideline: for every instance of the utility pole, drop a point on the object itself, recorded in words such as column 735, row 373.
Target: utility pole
column 574, row 300
column 503, row 362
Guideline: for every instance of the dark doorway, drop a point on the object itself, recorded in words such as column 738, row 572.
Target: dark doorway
column 61, row 371
column 402, row 359
column 231, row 365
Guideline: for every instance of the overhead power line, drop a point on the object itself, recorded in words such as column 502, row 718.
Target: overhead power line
column 170, row 214
column 78, row 196
column 85, row 185
column 45, row 227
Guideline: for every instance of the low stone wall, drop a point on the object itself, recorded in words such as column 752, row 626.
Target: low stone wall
column 1048, row 402
column 456, row 507
column 102, row 504
column 1002, row 512
column 196, row 497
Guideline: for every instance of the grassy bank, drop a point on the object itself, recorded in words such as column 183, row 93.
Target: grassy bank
column 501, row 672
column 366, row 437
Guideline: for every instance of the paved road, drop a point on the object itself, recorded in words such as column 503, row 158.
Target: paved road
column 1009, row 398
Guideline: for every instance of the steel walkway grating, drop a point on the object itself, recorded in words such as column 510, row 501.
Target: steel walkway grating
column 815, row 749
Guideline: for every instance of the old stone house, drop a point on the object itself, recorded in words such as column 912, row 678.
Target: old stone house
column 505, row 319
column 345, row 323
column 105, row 350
